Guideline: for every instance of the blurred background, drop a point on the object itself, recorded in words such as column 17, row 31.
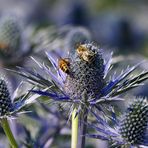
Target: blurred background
column 31, row 27
column 117, row 24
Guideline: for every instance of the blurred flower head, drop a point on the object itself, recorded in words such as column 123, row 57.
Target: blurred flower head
column 61, row 40
column 13, row 43
column 10, row 35
column 75, row 36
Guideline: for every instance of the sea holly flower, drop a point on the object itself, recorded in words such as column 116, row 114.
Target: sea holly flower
column 85, row 77
column 131, row 129
column 11, row 106
column 6, row 105
column 81, row 80
column 133, row 126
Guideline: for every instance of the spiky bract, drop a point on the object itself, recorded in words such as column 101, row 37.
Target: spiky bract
column 85, row 76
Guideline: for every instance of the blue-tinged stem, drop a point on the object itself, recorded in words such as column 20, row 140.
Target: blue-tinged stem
column 8, row 132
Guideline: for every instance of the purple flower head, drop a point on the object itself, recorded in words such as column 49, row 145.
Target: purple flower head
column 85, row 82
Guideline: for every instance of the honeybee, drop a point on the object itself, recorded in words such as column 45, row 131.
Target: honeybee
column 85, row 53
column 64, row 65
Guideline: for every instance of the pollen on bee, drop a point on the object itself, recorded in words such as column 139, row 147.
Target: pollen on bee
column 85, row 53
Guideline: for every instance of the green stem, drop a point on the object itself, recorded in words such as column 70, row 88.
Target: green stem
column 74, row 133
column 82, row 129
column 8, row 132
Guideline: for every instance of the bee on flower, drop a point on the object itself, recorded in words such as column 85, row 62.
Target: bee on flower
column 89, row 79
column 87, row 86
column 64, row 65
column 85, row 54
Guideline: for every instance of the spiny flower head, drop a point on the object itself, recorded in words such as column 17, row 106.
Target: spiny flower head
column 8, row 107
column 133, row 127
column 5, row 100
column 86, row 73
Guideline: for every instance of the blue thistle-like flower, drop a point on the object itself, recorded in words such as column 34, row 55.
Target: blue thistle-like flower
column 8, row 107
column 5, row 101
column 133, row 127
column 85, row 76
column 85, row 81
column 131, row 130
